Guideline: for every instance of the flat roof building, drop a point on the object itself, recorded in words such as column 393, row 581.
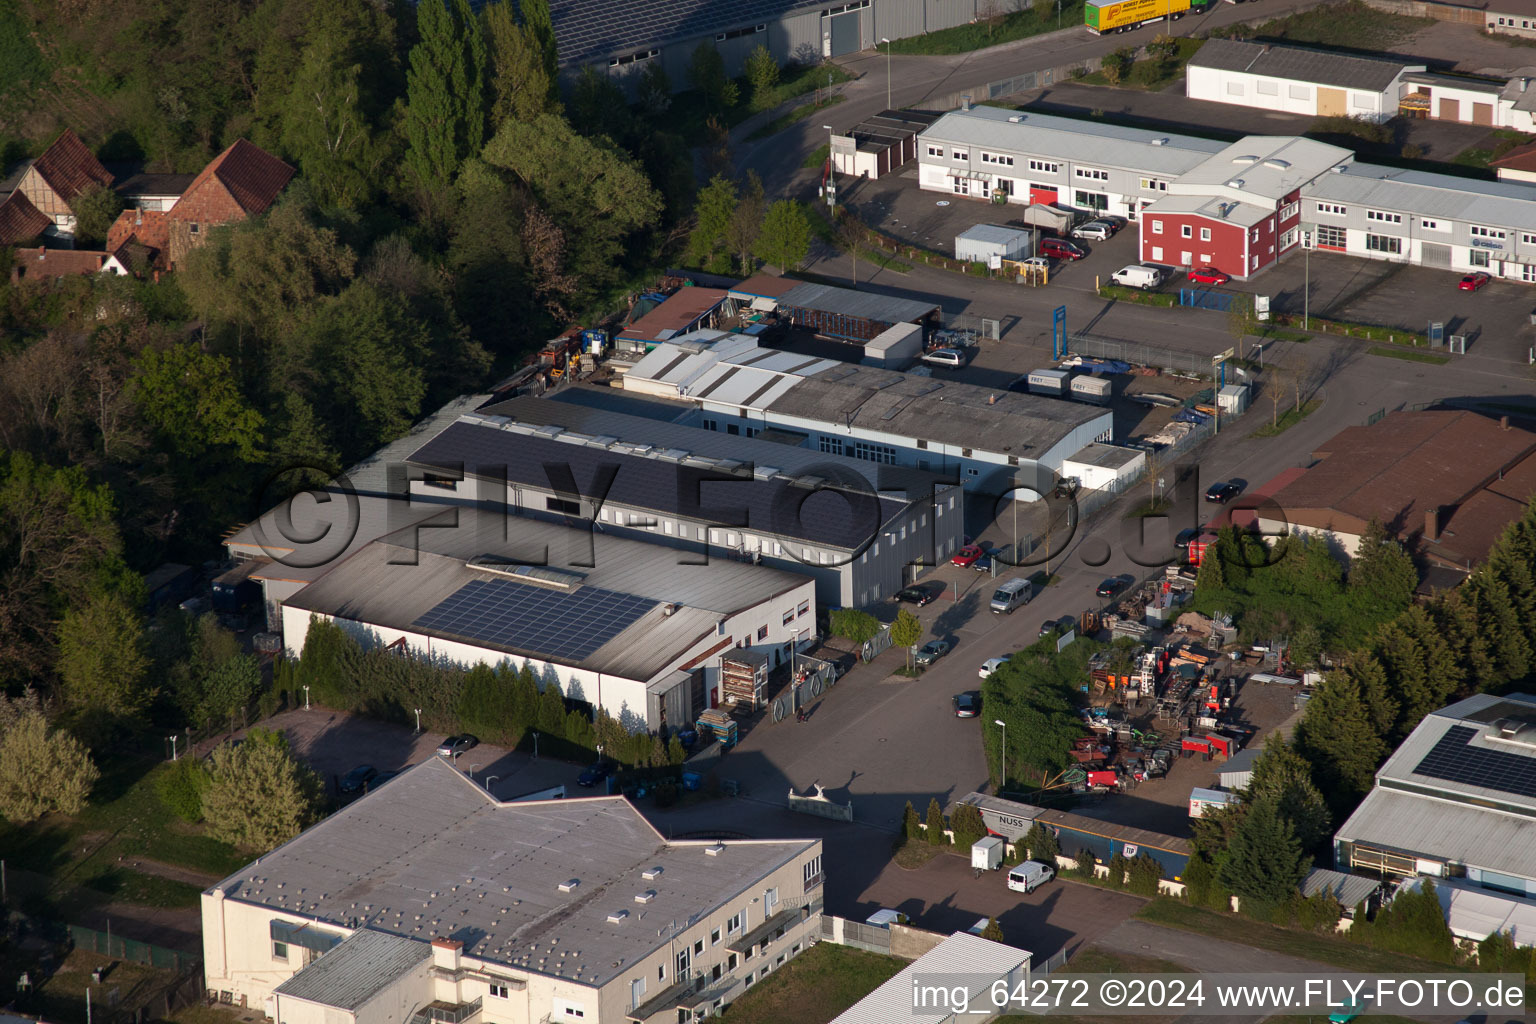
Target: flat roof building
column 878, row 145
column 429, row 900
column 1296, row 80
column 1456, row 800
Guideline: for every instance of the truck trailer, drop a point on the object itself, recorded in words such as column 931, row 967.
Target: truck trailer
column 1103, row 16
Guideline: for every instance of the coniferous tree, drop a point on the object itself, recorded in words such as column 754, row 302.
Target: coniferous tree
column 472, row 86
column 910, row 822
column 433, row 128
column 1282, row 775
column 537, row 20
column 1264, row 863
column 993, row 931
column 936, row 823
column 1336, row 736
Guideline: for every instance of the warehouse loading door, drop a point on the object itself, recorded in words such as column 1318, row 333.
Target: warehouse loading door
column 1450, row 109
column 843, row 31
column 1330, row 102
column 1482, row 113
column 1432, row 254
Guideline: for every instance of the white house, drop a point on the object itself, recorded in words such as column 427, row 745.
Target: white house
column 1295, row 80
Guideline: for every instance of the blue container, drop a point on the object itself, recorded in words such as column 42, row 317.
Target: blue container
column 692, row 780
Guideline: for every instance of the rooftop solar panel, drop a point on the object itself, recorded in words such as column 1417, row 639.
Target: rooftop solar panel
column 570, row 625
column 1454, row 759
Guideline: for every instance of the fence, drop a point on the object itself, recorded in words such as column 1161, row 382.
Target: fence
column 132, row 950
column 876, row 644
column 1138, row 353
column 853, row 933
column 1204, row 298
column 1089, row 502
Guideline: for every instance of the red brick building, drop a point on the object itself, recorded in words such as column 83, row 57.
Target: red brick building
column 1240, row 210
column 243, row 181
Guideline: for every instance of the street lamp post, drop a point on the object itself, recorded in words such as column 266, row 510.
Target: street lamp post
column 418, row 719
column 1003, row 758
column 535, row 743
column 887, row 43
column 831, row 173
column 306, row 696
column 488, row 780
column 173, row 747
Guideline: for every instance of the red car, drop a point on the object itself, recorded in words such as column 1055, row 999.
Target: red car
column 967, row 555
column 1472, row 282
column 1060, row 249
column 1209, row 275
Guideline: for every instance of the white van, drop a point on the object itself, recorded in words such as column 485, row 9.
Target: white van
column 1138, row 276
column 1011, row 595
column 1029, row 876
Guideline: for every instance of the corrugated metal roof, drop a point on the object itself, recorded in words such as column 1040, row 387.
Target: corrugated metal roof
column 1474, row 712
column 1477, row 913
column 586, row 30
column 1495, row 203
column 1442, row 830
column 354, row 972
column 1064, row 138
column 432, row 855
column 884, row 309
column 1298, row 64
column 1349, row 890
column 991, row 233
column 965, row 956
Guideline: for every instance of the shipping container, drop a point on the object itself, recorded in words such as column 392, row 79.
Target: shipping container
column 1096, row 390
column 1048, row 382
column 1233, row 399
column 1201, row 799
column 1124, row 15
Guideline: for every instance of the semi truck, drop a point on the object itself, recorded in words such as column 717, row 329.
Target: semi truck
column 1103, row 16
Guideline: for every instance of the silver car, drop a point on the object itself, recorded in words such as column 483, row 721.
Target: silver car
column 1097, row 230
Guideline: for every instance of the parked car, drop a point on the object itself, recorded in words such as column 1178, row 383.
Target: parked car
column 968, row 704
column 358, row 778
column 1223, row 491
column 1060, row 625
column 1029, row 876
column 1061, row 249
column 984, row 563
column 1113, row 585
column 1183, row 537
column 916, row 594
column 457, row 744
column 931, row 652
column 1209, row 275
column 1472, row 282
column 967, row 555
column 991, row 665
column 1096, row 230
column 592, row 774
column 1138, row 276
column 948, row 358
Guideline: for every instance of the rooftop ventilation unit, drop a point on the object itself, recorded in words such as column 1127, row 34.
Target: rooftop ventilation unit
column 765, row 472
column 1235, row 183
column 617, row 916
column 1161, row 140
column 1339, row 168
column 570, row 884
column 539, row 575
column 1015, row 118
column 1245, row 159
column 645, row 897
column 652, row 873
column 1278, row 164
column 716, row 850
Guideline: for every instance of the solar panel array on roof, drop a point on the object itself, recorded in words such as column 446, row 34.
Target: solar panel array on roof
column 1454, row 759
column 570, row 625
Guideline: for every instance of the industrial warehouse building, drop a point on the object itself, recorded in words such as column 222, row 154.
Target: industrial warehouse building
column 861, row 531
column 1238, row 207
column 429, row 901
column 880, row 144
column 990, row 440
column 1457, row 803
column 1295, row 80
column 620, row 38
column 631, row 628
column 1446, row 482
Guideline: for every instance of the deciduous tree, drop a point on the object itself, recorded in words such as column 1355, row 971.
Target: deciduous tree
column 41, row 770
column 746, row 223
column 906, row 631
column 102, row 664
column 259, row 796
column 191, row 398
column 95, row 209
column 763, row 74
column 714, row 211
column 785, row 238
column 706, row 73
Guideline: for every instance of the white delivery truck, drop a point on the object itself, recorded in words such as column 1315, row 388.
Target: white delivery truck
column 987, row 853
column 1138, row 276
column 1011, row 595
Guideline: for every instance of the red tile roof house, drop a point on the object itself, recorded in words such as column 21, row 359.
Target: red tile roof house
column 53, row 181
column 50, row 264
column 243, row 181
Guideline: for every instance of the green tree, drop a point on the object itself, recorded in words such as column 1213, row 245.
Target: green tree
column 374, row 353
column 1336, row 737
column 552, row 709
column 1117, row 64
column 1306, row 646
column 191, row 398
column 1382, row 571
column 1146, row 874
column 181, row 785
column 785, row 237
column 42, row 770
column 746, row 222
column 1282, row 775
column 993, row 931
column 906, row 631
column 445, row 93
column 763, row 74
column 936, row 835
column 102, row 665
column 95, row 209
column 1087, row 863
column 654, row 91
column 599, row 195
column 472, row 94
column 853, row 624
column 714, row 210
column 706, row 73
column 1199, row 880
column 520, row 84
column 230, row 689
column 910, row 822
column 967, row 825
column 1042, row 844
column 541, row 27
column 327, row 124
column 1264, row 864
column 259, row 796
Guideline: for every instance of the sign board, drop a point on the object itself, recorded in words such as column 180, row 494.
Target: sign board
column 1065, row 639
column 995, row 262
column 1261, row 306
column 1059, row 332
column 1436, row 334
